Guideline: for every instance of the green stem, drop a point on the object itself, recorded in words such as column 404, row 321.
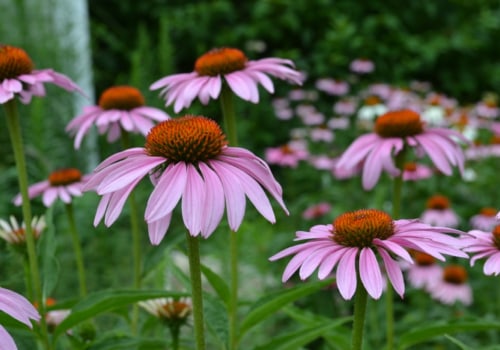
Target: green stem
column 396, row 213
column 360, row 300
column 77, row 247
column 27, row 276
column 14, row 127
column 196, row 290
column 232, row 137
column 136, row 241
column 174, row 331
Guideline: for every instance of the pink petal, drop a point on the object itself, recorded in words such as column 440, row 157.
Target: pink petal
column 213, row 212
column 193, row 201
column 393, row 272
column 157, row 229
column 370, row 274
column 346, row 273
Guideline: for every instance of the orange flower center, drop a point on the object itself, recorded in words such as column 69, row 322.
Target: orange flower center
column 13, row 62
column 176, row 310
column 496, row 235
column 121, row 97
column 411, row 166
column 188, row 139
column 495, row 140
column 64, row 177
column 220, row 61
column 491, row 212
column 438, row 202
column 372, row 101
column 423, row 259
column 359, row 228
column 399, row 124
column 455, row 274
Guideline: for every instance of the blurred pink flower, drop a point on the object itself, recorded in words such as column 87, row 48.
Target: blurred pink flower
column 485, row 220
column 19, row 308
column 287, row 155
column 19, row 78
column 317, row 210
column 227, row 65
column 120, row 108
column 345, row 107
column 394, row 131
column 485, row 245
column 452, row 286
column 362, row 66
column 415, row 171
column 63, row 184
column 424, row 271
column 186, row 158
column 332, row 86
column 355, row 238
column 439, row 213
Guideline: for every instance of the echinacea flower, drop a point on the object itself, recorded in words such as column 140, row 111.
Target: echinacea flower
column 439, row 212
column 120, row 108
column 19, row 308
column 63, row 184
column 14, row 232
column 317, row 210
column 188, row 158
column 415, row 171
column 394, row 132
column 362, row 66
column 452, row 286
column 225, row 65
column 169, row 310
column 484, row 245
column 356, row 241
column 19, row 78
column 485, row 220
column 288, row 155
column 424, row 271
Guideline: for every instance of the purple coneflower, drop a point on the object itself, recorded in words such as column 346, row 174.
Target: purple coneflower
column 362, row 66
column 317, row 210
column 414, row 172
column 395, row 131
column 17, row 76
column 15, row 233
column 120, row 108
column 186, row 158
column 484, row 245
column 19, row 308
column 439, row 212
column 288, row 155
column 485, row 220
column 424, row 271
column 452, row 286
column 225, row 65
column 352, row 243
column 63, row 184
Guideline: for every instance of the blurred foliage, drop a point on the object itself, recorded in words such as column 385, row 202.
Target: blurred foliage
column 437, row 41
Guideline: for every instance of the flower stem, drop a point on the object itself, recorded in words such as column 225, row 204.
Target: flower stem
column 397, row 186
column 359, row 316
column 196, row 290
column 232, row 137
column 136, row 241
column 14, row 127
column 174, row 332
column 78, row 249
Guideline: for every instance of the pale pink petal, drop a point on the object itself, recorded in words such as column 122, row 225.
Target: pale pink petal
column 6, row 341
column 329, row 262
column 492, row 265
column 49, row 196
column 369, row 272
column 167, row 192
column 157, row 229
column 193, row 201
column 346, row 273
column 313, row 261
column 213, row 212
column 393, row 271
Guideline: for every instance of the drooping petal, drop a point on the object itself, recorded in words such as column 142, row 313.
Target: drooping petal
column 157, row 229
column 393, row 271
column 193, row 201
column 214, row 211
column 370, row 273
column 346, row 273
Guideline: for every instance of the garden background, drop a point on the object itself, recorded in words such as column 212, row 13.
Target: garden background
column 453, row 45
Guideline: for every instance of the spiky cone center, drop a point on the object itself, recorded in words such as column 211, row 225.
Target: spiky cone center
column 14, row 62
column 423, row 259
column 189, row 139
column 438, row 202
column 359, row 228
column 176, row 310
column 455, row 274
column 401, row 124
column 121, row 97
column 488, row 211
column 63, row 177
column 220, row 61
column 496, row 235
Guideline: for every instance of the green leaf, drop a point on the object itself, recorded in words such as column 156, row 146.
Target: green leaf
column 268, row 305
column 119, row 342
column 216, row 317
column 302, row 336
column 218, row 284
column 457, row 342
column 428, row 332
column 105, row 301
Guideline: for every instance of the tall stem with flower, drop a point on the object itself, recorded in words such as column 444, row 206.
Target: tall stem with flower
column 14, row 127
column 229, row 117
